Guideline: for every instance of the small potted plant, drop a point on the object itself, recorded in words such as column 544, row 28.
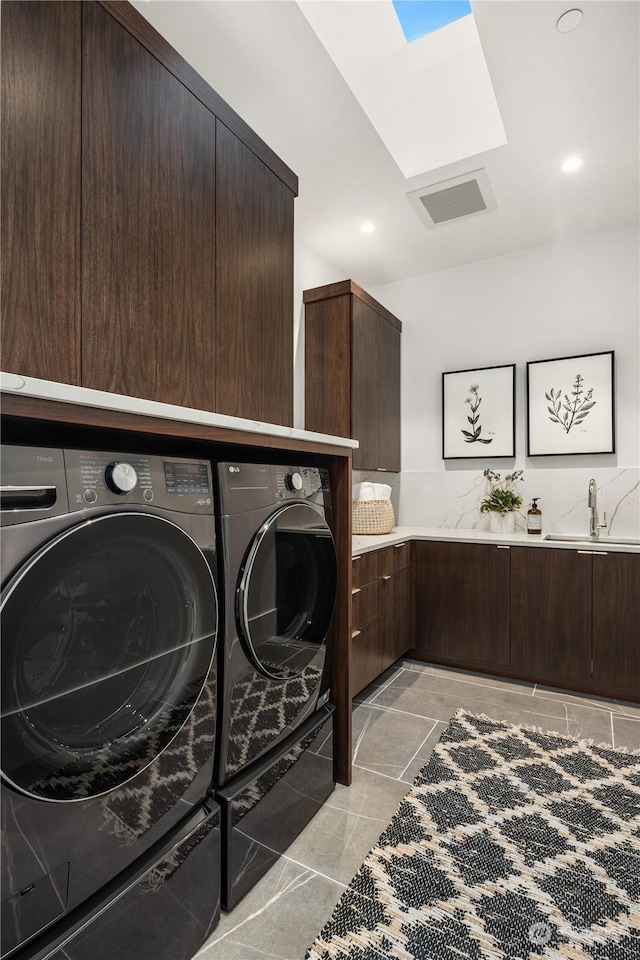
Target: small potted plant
column 502, row 502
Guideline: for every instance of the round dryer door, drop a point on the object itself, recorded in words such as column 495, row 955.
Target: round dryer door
column 287, row 591
column 108, row 635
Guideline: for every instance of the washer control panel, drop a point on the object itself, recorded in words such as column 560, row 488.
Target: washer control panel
column 98, row 479
column 298, row 482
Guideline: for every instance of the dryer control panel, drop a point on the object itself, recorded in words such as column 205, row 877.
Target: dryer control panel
column 100, row 478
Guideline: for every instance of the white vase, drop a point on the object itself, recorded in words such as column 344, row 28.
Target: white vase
column 502, row 523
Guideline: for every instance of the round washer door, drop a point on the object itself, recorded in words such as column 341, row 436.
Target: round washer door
column 287, row 591
column 108, row 635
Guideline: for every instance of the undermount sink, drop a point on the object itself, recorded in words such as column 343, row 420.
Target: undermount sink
column 600, row 542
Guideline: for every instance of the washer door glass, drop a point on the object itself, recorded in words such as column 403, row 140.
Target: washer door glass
column 108, row 634
column 287, row 591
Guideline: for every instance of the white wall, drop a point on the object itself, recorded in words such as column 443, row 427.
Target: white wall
column 565, row 299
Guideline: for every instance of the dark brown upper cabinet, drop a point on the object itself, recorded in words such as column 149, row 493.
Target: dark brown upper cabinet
column 148, row 215
column 148, row 231
column 40, row 212
column 254, row 286
column 352, row 372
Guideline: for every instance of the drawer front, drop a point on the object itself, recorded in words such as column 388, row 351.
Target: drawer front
column 385, row 561
column 366, row 656
column 365, row 604
column 400, row 556
column 364, row 568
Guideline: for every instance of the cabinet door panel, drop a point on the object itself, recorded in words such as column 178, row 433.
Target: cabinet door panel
column 365, row 372
column 366, row 655
column 364, row 568
column 148, row 212
column 462, row 601
column 254, row 287
column 41, row 66
column 551, row 613
column 616, row 622
column 395, row 592
column 389, row 400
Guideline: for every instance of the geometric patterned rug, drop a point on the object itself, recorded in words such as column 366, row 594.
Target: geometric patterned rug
column 512, row 844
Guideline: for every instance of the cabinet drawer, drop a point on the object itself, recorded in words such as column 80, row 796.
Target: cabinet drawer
column 385, row 561
column 364, row 568
column 400, row 553
column 366, row 656
column 365, row 604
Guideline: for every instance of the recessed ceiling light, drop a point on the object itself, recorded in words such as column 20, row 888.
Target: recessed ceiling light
column 569, row 21
column 367, row 228
column 571, row 164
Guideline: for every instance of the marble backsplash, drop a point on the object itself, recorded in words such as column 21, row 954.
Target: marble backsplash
column 451, row 499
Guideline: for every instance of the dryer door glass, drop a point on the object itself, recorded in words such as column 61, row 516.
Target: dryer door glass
column 108, row 635
column 287, row 591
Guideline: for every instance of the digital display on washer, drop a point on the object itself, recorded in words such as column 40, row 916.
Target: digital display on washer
column 186, row 477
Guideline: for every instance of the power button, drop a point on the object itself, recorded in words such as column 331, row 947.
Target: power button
column 147, row 495
column 90, row 496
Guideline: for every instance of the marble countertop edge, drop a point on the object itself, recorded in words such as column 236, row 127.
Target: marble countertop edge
column 83, row 396
column 365, row 544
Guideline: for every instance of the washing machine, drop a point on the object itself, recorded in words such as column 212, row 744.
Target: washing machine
column 278, row 594
column 109, row 620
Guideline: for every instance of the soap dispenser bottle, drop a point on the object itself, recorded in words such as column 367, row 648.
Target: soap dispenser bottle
column 534, row 518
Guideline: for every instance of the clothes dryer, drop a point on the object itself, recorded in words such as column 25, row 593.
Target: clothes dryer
column 109, row 690
column 278, row 595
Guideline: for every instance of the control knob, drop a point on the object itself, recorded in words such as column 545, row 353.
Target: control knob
column 120, row 477
column 293, row 481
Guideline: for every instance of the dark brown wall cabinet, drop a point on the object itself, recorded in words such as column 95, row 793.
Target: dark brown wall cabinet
column 380, row 613
column 147, row 246
column 41, row 64
column 565, row 617
column 352, row 372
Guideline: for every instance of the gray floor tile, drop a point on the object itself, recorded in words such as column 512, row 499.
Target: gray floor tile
column 278, row 919
column 626, row 733
column 623, row 707
column 385, row 741
column 341, row 834
column 469, row 676
column 424, row 754
column 440, row 701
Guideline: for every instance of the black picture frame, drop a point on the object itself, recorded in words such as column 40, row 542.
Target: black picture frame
column 479, row 413
column 571, row 405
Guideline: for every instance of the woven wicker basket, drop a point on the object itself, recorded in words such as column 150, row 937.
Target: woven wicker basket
column 372, row 516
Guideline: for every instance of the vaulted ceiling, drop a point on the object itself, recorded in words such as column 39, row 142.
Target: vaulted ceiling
column 557, row 94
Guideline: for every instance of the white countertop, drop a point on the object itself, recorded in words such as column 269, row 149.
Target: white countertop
column 66, row 393
column 362, row 544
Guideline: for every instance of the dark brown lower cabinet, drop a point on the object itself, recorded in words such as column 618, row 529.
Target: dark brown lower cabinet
column 616, row 622
column 380, row 608
column 551, row 613
column 563, row 617
column 462, row 602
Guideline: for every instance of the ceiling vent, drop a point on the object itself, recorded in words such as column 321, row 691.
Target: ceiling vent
column 453, row 199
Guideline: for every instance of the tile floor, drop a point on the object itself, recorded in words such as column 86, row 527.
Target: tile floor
column 396, row 723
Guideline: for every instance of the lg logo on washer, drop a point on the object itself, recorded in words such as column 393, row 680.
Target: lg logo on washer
column 234, row 469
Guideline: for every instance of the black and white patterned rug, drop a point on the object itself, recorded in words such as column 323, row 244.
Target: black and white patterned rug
column 512, row 844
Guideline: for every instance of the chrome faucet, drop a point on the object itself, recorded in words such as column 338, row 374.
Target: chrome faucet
column 594, row 525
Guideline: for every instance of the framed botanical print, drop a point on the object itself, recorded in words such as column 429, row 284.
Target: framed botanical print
column 478, row 413
column 570, row 405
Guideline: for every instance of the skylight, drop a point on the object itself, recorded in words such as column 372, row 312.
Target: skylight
column 419, row 17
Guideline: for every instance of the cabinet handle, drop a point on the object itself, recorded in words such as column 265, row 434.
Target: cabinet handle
column 353, row 559
column 502, row 546
column 355, row 633
column 356, row 590
column 397, row 545
column 386, row 578
column 586, row 553
column 599, row 553
column 382, row 469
